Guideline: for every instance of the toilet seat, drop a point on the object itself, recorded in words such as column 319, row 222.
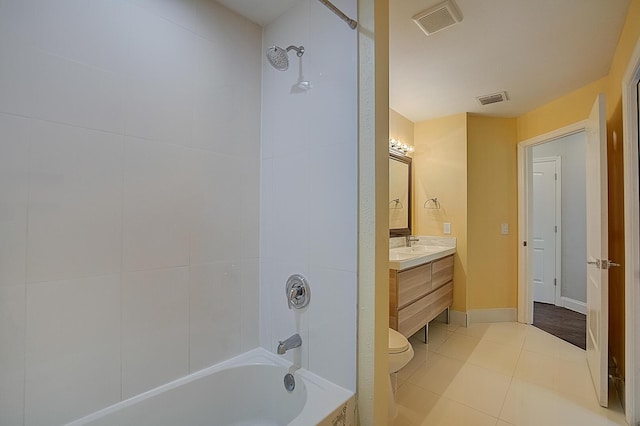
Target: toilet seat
column 397, row 342
column 400, row 351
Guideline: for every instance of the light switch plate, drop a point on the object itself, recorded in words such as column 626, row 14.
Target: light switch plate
column 505, row 229
column 447, row 228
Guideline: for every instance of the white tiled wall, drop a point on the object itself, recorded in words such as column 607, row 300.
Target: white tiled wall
column 143, row 200
column 309, row 190
column 129, row 198
column 72, row 361
column 155, row 328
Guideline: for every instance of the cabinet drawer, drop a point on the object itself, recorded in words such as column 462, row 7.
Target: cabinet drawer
column 413, row 284
column 441, row 272
column 415, row 316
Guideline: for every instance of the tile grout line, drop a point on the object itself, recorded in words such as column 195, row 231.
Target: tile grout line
column 511, row 379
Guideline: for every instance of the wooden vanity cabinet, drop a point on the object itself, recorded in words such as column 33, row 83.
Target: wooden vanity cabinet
column 419, row 294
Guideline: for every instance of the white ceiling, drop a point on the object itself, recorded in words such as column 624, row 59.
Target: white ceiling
column 535, row 50
column 259, row 11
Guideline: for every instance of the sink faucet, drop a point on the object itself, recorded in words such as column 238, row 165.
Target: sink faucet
column 294, row 341
column 410, row 239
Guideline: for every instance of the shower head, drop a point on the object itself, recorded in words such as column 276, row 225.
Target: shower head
column 279, row 57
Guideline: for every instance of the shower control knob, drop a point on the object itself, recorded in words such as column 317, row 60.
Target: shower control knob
column 297, row 291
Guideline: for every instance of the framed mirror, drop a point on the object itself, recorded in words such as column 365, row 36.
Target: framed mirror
column 399, row 195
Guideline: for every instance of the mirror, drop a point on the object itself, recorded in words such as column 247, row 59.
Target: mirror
column 399, row 195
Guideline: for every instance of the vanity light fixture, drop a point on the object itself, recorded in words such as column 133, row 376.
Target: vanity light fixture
column 399, row 147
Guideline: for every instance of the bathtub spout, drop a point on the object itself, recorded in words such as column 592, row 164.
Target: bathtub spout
column 294, row 341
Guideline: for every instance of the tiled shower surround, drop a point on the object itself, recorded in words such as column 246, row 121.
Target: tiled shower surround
column 146, row 219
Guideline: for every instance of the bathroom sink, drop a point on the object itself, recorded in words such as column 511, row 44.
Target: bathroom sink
column 398, row 255
column 418, row 249
column 408, row 257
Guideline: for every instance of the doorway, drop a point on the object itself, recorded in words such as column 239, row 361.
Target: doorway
column 558, row 276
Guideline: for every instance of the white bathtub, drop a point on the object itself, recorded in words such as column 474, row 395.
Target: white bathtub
column 245, row 390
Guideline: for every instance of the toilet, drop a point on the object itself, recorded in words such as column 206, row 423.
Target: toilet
column 400, row 353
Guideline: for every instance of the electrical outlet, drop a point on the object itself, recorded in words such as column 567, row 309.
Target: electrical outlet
column 447, row 228
column 504, row 229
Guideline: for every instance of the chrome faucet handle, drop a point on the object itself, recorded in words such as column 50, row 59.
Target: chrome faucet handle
column 298, row 292
column 294, row 296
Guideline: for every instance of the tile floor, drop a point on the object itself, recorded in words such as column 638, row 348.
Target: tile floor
column 498, row 374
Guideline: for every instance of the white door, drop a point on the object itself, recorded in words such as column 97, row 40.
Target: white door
column 597, row 250
column 545, row 228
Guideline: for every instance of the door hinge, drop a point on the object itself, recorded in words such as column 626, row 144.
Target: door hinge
column 555, row 282
column 556, row 229
column 556, row 176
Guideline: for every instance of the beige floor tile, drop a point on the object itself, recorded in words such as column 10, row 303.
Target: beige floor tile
column 528, row 404
column 538, row 369
column 542, row 342
column 421, row 351
column 450, row 413
column 495, row 357
column 459, row 346
column 448, row 327
column 479, row 388
column 409, row 370
column 476, row 330
column 514, row 372
column 437, row 373
column 437, row 337
column 419, row 358
column 507, row 333
column 574, row 382
column 419, row 407
column 413, row 404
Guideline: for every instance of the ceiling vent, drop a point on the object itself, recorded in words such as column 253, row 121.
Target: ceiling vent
column 493, row 98
column 438, row 17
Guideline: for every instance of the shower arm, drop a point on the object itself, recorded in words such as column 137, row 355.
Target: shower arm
column 352, row 24
column 299, row 50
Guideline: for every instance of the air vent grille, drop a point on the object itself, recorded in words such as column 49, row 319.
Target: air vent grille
column 492, row 98
column 438, row 17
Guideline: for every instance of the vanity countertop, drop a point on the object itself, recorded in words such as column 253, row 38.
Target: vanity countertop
column 426, row 250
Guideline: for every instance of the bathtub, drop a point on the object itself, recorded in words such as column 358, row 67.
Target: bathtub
column 245, row 390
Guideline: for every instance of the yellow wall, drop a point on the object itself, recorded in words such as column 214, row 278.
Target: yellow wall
column 469, row 163
column 561, row 112
column 440, row 170
column 492, row 201
column 400, row 128
column 575, row 107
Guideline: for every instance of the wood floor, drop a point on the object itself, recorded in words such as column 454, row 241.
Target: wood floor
column 561, row 322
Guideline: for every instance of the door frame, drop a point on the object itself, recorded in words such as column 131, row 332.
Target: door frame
column 632, row 236
column 525, row 193
column 558, row 219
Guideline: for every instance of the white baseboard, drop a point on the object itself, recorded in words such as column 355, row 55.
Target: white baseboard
column 475, row 316
column 574, row 305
